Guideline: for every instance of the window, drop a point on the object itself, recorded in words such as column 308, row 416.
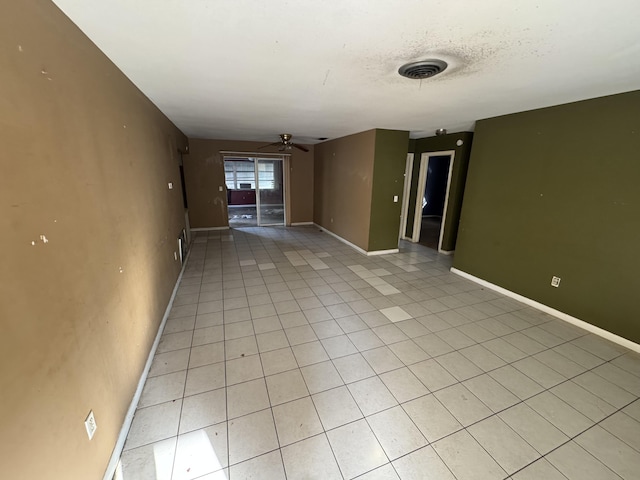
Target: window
column 265, row 176
column 239, row 174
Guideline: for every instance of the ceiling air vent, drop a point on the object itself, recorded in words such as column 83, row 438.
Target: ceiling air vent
column 423, row 69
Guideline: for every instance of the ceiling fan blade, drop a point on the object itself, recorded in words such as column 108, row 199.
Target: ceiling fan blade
column 270, row 145
column 304, row 149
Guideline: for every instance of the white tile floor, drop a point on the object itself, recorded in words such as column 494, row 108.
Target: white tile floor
column 289, row 355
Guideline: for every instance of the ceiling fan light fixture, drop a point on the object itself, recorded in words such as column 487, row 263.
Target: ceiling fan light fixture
column 285, row 143
column 422, row 69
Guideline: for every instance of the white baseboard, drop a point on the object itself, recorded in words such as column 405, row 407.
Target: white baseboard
column 354, row 246
column 383, row 252
column 128, row 419
column 552, row 311
column 209, row 229
column 446, row 252
column 298, row 224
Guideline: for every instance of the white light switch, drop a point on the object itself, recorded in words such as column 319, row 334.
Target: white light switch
column 170, row 185
column 395, row 199
column 220, row 188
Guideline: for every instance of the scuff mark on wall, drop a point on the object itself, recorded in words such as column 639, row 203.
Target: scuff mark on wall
column 42, row 238
column 326, row 76
column 216, row 159
column 221, row 203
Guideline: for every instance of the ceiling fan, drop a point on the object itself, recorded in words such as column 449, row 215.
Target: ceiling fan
column 285, row 143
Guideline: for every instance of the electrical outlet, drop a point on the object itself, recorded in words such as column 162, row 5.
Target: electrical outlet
column 555, row 281
column 90, row 424
column 220, row 188
column 395, row 199
column 170, row 185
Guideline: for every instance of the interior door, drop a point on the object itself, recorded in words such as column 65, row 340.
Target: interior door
column 270, row 191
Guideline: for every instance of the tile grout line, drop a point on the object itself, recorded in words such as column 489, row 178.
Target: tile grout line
column 184, row 388
column 324, row 431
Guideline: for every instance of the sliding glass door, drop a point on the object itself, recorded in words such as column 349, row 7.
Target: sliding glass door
column 255, row 191
column 270, row 191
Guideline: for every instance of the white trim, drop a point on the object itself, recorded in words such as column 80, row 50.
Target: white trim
column 256, row 190
column 253, row 154
column 406, row 191
column 352, row 245
column 446, row 252
column 298, row 224
column 355, row 247
column 283, row 158
column 417, row 214
column 446, row 203
column 209, row 229
column 552, row 311
column 286, row 190
column 382, row 252
column 128, row 419
column 422, row 184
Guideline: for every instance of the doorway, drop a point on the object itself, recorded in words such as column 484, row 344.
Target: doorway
column 408, row 170
column 255, row 191
column 434, row 182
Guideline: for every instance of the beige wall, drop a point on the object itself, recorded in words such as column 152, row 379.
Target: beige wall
column 86, row 160
column 343, row 178
column 204, row 173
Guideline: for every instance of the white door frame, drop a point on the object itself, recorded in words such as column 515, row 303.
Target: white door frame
column 408, row 172
column 286, row 197
column 422, row 183
column 285, row 180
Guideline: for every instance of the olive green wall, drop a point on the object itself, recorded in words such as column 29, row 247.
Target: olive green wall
column 89, row 229
column 458, row 176
column 388, row 181
column 556, row 191
column 204, row 173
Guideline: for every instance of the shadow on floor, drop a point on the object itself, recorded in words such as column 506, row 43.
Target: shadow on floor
column 430, row 232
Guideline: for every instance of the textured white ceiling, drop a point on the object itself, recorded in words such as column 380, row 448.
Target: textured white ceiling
column 251, row 69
